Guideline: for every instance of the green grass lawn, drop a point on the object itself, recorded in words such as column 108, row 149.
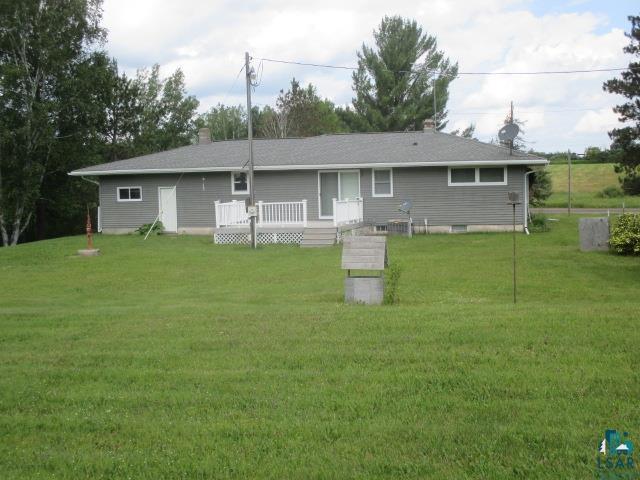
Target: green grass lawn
column 587, row 180
column 177, row 358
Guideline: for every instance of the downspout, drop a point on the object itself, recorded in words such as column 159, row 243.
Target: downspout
column 90, row 181
column 526, row 201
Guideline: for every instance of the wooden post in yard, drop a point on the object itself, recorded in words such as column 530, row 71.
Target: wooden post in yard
column 89, row 231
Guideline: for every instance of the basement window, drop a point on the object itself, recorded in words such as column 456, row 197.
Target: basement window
column 458, row 229
column 239, row 183
column 129, row 194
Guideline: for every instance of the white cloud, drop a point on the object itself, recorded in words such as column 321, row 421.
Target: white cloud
column 208, row 40
column 600, row 121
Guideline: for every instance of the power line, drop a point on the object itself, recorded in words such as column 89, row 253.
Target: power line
column 224, row 99
column 528, row 112
column 440, row 72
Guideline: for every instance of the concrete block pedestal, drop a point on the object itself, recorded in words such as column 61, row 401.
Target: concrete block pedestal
column 594, row 234
column 366, row 290
column 89, row 252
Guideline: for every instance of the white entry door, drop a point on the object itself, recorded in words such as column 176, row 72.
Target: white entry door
column 168, row 208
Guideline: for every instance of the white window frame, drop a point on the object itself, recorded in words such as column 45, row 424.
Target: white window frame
column 233, row 184
column 373, row 182
column 477, row 182
column 128, row 199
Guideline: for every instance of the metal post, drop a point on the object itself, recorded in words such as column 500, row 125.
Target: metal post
column 514, row 253
column 252, row 219
column 569, row 199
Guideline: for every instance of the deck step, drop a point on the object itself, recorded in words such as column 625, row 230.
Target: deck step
column 318, row 237
column 311, row 244
column 324, row 230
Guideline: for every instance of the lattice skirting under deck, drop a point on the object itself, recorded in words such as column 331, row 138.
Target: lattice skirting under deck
column 291, row 238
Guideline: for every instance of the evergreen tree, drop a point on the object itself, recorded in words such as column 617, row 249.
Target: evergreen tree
column 395, row 79
column 627, row 138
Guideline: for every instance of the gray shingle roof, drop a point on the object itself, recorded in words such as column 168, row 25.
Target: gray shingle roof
column 326, row 151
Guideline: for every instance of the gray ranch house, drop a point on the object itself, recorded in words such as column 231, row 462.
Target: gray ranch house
column 309, row 190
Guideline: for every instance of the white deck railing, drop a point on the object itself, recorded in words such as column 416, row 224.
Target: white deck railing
column 231, row 213
column 234, row 213
column 282, row 213
column 347, row 211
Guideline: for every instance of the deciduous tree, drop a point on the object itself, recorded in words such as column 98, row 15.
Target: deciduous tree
column 41, row 43
column 168, row 113
column 300, row 112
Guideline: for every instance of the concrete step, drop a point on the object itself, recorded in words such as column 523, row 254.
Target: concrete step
column 320, row 230
column 317, row 242
column 330, row 240
column 319, row 236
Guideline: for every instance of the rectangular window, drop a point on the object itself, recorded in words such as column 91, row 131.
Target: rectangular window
column 239, row 183
column 491, row 175
column 463, row 175
column 129, row 194
column 382, row 181
column 478, row 176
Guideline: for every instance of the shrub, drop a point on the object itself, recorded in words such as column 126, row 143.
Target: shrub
column 610, row 192
column 631, row 184
column 158, row 228
column 391, row 280
column 540, row 187
column 625, row 237
column 539, row 223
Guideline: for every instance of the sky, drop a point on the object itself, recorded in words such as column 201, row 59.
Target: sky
column 207, row 40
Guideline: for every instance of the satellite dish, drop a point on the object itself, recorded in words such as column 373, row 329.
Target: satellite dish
column 405, row 206
column 508, row 132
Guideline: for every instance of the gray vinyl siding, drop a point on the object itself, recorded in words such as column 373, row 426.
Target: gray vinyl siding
column 433, row 199
column 195, row 204
column 131, row 214
column 426, row 187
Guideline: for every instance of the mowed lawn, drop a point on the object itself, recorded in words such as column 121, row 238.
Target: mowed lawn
column 177, row 358
column 587, row 181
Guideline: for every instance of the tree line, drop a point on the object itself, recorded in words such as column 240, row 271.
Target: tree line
column 64, row 105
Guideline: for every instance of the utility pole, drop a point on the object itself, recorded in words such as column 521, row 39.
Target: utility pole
column 252, row 201
column 569, row 199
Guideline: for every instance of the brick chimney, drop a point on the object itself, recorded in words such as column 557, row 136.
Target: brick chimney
column 429, row 125
column 204, row 136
